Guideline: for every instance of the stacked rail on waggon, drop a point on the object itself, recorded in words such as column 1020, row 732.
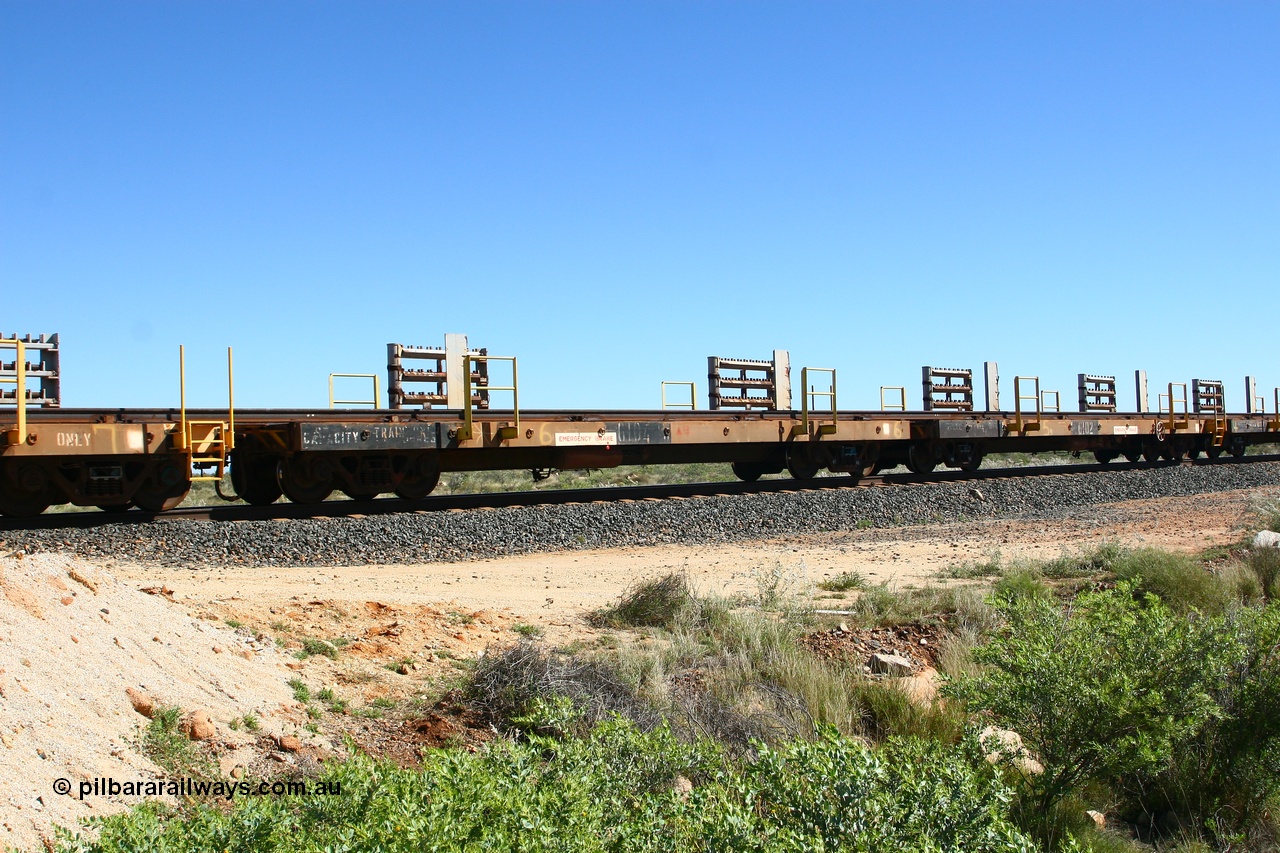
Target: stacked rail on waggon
column 444, row 414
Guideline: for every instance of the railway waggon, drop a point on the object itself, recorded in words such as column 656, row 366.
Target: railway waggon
column 148, row 458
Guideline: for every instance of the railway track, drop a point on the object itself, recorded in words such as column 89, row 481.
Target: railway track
column 493, row 500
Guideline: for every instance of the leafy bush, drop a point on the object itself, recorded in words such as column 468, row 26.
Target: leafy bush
column 616, row 790
column 1106, row 687
column 1227, row 775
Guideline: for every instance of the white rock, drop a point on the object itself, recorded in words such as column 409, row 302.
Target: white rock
column 1006, row 745
column 1266, row 539
column 891, row 665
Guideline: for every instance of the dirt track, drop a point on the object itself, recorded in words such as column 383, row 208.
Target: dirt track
column 555, row 591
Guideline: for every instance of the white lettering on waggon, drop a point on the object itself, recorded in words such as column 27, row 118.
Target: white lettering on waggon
column 591, row 439
column 75, row 439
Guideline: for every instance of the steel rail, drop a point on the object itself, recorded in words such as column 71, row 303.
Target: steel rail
column 259, row 417
column 495, row 500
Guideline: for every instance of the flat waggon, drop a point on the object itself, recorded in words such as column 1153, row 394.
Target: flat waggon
column 118, row 458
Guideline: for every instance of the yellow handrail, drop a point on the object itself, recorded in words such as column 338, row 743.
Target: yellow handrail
column 692, row 405
column 467, row 431
column 806, row 392
column 377, row 391
column 220, row 434
column 900, row 406
column 1174, row 424
column 1019, row 397
column 18, row 435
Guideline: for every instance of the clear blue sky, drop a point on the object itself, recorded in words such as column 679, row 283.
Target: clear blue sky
column 614, row 191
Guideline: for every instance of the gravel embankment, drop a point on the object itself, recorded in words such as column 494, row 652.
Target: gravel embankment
column 453, row 536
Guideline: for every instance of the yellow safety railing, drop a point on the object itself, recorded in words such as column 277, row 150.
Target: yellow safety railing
column 467, row 432
column 1019, row 424
column 900, row 406
column 18, row 435
column 1044, row 401
column 692, row 405
column 206, row 443
column 807, row 393
column 1172, row 400
column 1209, row 396
column 377, row 390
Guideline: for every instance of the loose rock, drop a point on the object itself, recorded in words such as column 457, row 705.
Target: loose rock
column 451, row 537
column 890, row 665
column 1266, row 539
column 197, row 725
column 141, row 702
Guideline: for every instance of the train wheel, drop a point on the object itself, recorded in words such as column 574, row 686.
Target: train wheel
column 1237, row 448
column 420, row 481
column 800, row 465
column 920, row 459
column 300, row 485
column 24, row 490
column 973, row 463
column 747, row 472
column 116, row 508
column 254, row 479
column 152, row 498
column 164, row 489
column 22, row 504
column 1214, row 451
column 1104, row 457
column 360, row 496
column 1152, row 452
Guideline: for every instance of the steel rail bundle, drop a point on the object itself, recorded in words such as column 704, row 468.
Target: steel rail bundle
column 117, row 458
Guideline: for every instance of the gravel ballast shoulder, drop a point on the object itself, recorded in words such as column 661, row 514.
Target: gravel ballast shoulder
column 472, row 534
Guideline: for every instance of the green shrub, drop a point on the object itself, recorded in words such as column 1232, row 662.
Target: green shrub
column 164, row 743
column 615, row 790
column 1099, row 561
column 1106, row 687
column 1179, row 580
column 1022, row 583
column 886, row 711
column 301, row 691
column 878, row 605
column 312, row 646
column 843, row 582
column 1226, row 778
